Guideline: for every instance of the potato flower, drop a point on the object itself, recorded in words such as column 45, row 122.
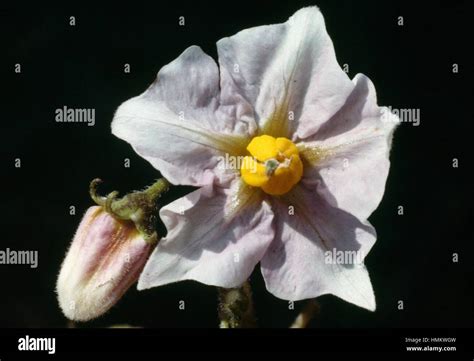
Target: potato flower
column 312, row 154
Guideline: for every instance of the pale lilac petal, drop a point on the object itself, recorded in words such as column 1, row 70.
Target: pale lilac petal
column 181, row 125
column 209, row 240
column 356, row 143
column 295, row 266
column 293, row 62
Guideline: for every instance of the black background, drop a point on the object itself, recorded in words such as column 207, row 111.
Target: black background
column 82, row 66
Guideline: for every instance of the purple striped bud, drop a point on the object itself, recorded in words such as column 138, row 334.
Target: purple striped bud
column 105, row 258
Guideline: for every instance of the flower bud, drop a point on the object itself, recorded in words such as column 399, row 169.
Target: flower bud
column 105, row 258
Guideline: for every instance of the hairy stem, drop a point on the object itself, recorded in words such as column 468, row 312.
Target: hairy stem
column 309, row 311
column 236, row 307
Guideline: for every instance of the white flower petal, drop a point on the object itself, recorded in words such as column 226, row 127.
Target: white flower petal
column 284, row 68
column 356, row 143
column 182, row 125
column 208, row 243
column 295, row 266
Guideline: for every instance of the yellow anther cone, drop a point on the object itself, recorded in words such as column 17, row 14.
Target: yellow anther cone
column 274, row 165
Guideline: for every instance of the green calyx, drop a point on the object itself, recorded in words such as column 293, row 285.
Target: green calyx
column 138, row 207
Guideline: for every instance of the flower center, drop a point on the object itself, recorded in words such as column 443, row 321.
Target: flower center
column 274, row 164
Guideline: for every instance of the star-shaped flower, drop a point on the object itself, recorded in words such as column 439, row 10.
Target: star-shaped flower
column 311, row 150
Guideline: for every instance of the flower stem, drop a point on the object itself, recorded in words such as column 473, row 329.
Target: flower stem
column 236, row 307
column 309, row 311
